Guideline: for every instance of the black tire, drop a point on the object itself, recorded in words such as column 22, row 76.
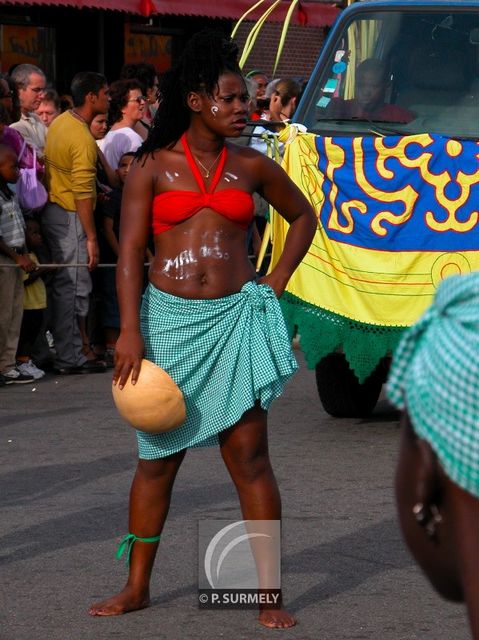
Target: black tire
column 340, row 392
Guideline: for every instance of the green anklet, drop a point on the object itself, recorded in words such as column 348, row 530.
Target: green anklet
column 128, row 542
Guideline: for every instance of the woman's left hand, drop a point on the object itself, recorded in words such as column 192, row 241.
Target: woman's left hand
column 275, row 282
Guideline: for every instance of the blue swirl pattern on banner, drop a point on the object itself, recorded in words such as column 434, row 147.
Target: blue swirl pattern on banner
column 413, row 193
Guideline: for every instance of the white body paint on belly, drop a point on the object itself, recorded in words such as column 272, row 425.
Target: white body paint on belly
column 175, row 267
column 181, row 267
column 213, row 250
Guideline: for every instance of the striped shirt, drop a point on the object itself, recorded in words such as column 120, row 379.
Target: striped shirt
column 12, row 224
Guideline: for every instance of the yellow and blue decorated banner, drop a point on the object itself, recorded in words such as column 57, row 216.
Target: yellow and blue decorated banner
column 396, row 215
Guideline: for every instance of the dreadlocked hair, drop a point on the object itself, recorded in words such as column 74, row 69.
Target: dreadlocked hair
column 207, row 55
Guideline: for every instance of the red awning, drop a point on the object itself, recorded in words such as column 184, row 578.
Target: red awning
column 128, row 6
column 315, row 13
column 312, row 12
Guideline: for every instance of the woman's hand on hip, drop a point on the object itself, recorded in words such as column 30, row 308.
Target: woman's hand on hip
column 278, row 284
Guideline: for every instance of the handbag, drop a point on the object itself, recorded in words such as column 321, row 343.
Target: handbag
column 32, row 195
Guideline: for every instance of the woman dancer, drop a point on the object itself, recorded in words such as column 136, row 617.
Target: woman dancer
column 219, row 333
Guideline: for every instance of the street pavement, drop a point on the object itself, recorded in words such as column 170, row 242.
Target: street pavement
column 66, row 465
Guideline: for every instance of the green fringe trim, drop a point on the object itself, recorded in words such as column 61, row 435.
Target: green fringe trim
column 322, row 332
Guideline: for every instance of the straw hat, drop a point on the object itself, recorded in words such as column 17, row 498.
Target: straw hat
column 154, row 404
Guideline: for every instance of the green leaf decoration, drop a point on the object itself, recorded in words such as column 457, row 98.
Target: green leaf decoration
column 253, row 34
column 284, row 31
column 244, row 16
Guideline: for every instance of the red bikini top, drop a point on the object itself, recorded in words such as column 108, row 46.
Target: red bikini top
column 172, row 207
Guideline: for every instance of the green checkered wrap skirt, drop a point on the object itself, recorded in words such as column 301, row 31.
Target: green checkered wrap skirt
column 225, row 354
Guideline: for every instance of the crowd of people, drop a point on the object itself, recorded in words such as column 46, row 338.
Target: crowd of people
column 81, row 146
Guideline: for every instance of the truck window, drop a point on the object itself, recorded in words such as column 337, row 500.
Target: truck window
column 398, row 71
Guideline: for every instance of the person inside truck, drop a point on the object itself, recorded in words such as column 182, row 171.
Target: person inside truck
column 434, row 381
column 369, row 103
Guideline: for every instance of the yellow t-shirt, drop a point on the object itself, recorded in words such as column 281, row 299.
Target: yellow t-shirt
column 35, row 294
column 70, row 161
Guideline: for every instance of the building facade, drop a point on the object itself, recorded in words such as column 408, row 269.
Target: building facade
column 62, row 38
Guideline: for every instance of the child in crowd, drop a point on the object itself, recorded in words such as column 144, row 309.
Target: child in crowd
column 111, row 226
column 12, row 252
column 106, row 179
column 34, row 303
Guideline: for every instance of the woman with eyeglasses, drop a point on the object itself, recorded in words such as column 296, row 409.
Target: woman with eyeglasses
column 9, row 97
column 145, row 73
column 127, row 107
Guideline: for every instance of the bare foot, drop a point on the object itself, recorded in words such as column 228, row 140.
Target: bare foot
column 127, row 600
column 276, row 619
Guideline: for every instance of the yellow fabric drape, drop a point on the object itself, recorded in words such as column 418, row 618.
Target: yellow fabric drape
column 357, row 267
column 362, row 37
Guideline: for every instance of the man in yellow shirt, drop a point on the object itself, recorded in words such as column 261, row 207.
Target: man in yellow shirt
column 67, row 221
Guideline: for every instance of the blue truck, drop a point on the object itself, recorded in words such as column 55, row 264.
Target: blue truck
column 390, row 68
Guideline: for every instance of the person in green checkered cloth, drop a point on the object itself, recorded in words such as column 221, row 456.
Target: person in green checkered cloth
column 206, row 318
column 434, row 380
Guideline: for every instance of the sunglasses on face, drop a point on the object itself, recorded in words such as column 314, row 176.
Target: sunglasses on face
column 138, row 99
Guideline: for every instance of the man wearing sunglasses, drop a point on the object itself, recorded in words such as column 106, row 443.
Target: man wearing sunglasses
column 31, row 83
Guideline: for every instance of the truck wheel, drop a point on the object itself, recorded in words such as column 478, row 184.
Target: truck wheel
column 340, row 392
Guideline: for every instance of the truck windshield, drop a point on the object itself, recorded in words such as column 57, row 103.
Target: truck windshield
column 399, row 71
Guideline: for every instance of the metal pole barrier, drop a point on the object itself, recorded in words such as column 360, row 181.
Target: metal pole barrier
column 70, row 264
column 74, row 264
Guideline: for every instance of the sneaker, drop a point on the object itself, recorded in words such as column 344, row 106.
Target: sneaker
column 29, row 369
column 15, row 377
